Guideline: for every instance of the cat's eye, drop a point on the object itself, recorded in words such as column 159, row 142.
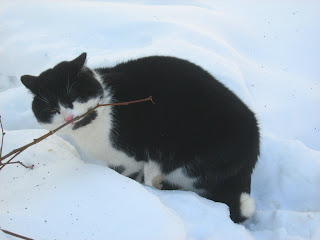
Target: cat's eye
column 54, row 111
column 73, row 98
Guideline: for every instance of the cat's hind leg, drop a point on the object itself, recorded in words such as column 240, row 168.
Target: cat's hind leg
column 241, row 205
column 153, row 175
column 235, row 192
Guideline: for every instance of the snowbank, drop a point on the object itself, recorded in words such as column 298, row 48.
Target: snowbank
column 64, row 198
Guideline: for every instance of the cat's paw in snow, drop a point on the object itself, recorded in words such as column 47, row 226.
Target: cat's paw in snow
column 157, row 182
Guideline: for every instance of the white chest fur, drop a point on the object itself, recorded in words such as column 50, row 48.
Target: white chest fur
column 94, row 139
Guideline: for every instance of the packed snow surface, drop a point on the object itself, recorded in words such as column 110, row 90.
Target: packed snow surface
column 267, row 52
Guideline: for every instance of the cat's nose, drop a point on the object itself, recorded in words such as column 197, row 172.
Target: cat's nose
column 69, row 118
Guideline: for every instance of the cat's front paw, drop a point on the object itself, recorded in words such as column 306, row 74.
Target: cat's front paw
column 157, row 182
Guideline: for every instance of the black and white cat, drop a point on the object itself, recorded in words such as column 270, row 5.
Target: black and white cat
column 198, row 136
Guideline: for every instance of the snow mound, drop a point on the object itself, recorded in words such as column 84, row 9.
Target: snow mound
column 285, row 185
column 290, row 175
column 15, row 104
column 64, row 198
column 204, row 219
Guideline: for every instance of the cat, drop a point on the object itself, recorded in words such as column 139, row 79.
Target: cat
column 198, row 136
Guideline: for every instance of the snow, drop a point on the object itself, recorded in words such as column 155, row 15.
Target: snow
column 64, row 196
column 267, row 52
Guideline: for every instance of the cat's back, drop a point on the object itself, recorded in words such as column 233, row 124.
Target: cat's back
column 189, row 103
column 152, row 64
column 175, row 84
column 167, row 78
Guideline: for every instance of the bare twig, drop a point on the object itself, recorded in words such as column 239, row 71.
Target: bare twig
column 9, row 162
column 15, row 235
column 18, row 162
column 17, row 151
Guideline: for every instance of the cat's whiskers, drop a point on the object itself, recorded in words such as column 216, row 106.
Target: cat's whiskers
column 43, row 110
column 42, row 98
column 69, row 90
column 68, row 84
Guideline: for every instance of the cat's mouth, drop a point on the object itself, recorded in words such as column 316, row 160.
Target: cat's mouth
column 72, row 121
column 75, row 121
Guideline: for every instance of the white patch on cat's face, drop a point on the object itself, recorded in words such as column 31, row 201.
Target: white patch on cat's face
column 78, row 109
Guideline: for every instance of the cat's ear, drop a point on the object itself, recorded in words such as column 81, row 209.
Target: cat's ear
column 78, row 62
column 30, row 82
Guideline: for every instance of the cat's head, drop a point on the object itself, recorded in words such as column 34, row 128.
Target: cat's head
column 63, row 93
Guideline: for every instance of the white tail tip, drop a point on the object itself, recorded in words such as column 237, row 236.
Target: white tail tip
column 247, row 205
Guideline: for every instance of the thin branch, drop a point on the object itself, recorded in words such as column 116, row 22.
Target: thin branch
column 35, row 141
column 9, row 162
column 18, row 162
column 15, row 235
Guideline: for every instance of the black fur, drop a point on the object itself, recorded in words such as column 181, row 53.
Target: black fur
column 86, row 120
column 118, row 169
column 196, row 122
column 194, row 117
column 134, row 175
